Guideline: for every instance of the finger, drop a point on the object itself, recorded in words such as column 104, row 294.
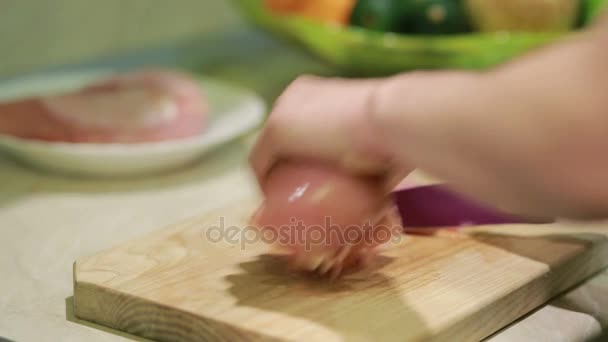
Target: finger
column 321, row 119
column 359, row 163
column 263, row 155
column 294, row 140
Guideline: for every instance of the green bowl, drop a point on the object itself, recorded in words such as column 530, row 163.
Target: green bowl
column 360, row 51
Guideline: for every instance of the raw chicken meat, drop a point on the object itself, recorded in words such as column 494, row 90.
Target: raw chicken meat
column 136, row 107
column 328, row 220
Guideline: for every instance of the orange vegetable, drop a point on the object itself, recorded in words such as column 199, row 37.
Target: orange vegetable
column 329, row 11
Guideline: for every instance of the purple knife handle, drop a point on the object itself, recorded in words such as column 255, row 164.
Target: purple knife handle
column 436, row 206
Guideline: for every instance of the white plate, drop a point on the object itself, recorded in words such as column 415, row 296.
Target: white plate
column 234, row 112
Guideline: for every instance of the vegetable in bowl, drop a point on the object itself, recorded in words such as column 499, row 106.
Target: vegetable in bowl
column 411, row 16
column 403, row 35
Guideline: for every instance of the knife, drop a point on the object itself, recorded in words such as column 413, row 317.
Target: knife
column 435, row 206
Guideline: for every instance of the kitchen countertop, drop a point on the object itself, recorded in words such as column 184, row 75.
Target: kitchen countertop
column 48, row 221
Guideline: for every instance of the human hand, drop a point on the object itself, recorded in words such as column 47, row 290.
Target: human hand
column 320, row 163
column 327, row 120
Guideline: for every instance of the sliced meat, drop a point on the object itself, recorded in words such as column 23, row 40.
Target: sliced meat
column 327, row 219
column 142, row 106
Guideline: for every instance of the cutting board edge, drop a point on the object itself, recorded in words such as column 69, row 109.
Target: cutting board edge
column 587, row 263
column 94, row 303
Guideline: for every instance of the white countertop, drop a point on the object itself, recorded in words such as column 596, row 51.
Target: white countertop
column 48, row 221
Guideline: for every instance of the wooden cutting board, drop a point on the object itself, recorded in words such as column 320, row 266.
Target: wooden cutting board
column 181, row 284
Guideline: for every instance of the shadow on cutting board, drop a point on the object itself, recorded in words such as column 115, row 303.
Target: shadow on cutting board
column 357, row 307
column 539, row 248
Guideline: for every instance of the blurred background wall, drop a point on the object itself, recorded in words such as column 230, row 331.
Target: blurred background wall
column 39, row 33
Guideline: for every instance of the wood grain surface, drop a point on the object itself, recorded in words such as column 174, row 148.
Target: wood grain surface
column 182, row 284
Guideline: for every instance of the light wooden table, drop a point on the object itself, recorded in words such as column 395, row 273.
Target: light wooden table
column 47, row 221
